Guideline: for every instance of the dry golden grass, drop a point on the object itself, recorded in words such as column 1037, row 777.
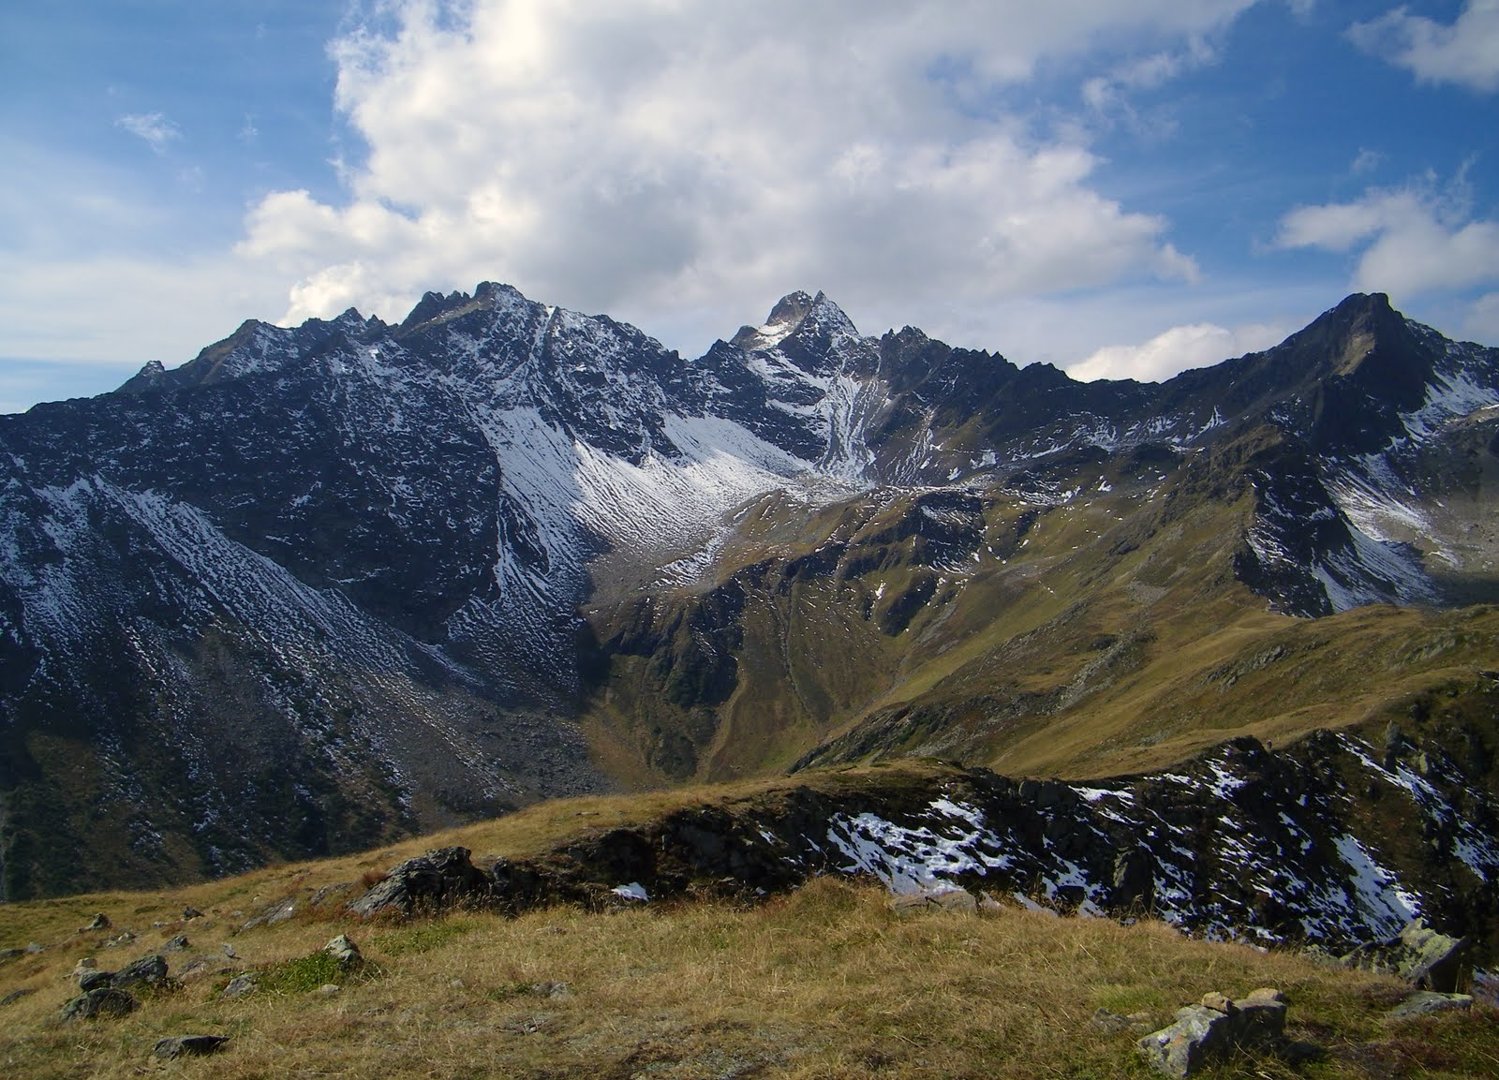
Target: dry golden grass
column 826, row 982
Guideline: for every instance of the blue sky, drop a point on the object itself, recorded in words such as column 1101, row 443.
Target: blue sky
column 1120, row 188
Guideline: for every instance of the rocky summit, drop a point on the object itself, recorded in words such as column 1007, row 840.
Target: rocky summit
column 326, row 586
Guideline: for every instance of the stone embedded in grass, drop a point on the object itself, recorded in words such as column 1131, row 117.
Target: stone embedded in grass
column 345, row 952
column 276, row 913
column 1214, row 1029
column 98, row 922
column 1115, row 1023
column 176, row 944
column 176, row 1046
column 105, row 1001
column 928, row 900
column 239, row 986
column 1425, row 1002
column 190, row 912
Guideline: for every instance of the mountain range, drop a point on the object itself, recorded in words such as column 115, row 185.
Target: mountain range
column 325, row 586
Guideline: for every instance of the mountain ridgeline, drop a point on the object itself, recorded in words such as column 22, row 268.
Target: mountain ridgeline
column 325, row 586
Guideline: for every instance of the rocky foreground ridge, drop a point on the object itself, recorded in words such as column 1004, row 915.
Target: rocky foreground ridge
column 1330, row 842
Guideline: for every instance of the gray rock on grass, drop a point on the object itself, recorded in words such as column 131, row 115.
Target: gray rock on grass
column 239, row 986
column 1426, row 1002
column 1423, row 957
column 106, row 1001
column 1214, row 1029
column 928, row 900
column 176, row 1046
column 345, row 952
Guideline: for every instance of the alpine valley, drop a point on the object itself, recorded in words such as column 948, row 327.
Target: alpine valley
column 325, row 587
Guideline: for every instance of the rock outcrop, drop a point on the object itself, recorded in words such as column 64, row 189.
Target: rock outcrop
column 1274, row 846
column 440, row 879
column 1426, row 959
column 1214, row 1029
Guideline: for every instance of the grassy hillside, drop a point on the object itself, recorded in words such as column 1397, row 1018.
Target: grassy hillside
column 1103, row 635
column 824, row 982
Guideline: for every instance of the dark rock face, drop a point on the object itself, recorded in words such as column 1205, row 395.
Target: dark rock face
column 430, row 882
column 320, row 586
column 1243, row 843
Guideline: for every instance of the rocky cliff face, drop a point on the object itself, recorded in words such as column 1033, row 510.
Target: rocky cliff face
column 1335, row 842
column 323, row 585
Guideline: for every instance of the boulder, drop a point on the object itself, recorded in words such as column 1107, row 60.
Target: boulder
column 1426, row 959
column 432, row 882
column 1210, row 1031
column 176, row 944
column 345, row 952
column 927, row 900
column 98, row 922
column 94, row 979
column 148, row 970
column 102, row 1002
column 176, row 1046
column 190, row 912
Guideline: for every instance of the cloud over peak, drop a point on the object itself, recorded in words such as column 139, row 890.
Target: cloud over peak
column 644, row 156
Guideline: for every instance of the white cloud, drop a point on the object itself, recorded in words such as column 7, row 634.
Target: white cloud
column 1176, row 350
column 1365, row 161
column 1482, row 322
column 646, row 157
column 157, row 131
column 1410, row 240
column 1107, row 94
column 1466, row 52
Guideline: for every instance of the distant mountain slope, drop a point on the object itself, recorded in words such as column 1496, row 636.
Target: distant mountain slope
column 325, row 585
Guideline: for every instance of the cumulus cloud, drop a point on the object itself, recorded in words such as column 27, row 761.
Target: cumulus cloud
column 1482, row 323
column 1466, row 52
column 647, row 157
column 1409, row 240
column 1175, row 350
column 154, row 128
